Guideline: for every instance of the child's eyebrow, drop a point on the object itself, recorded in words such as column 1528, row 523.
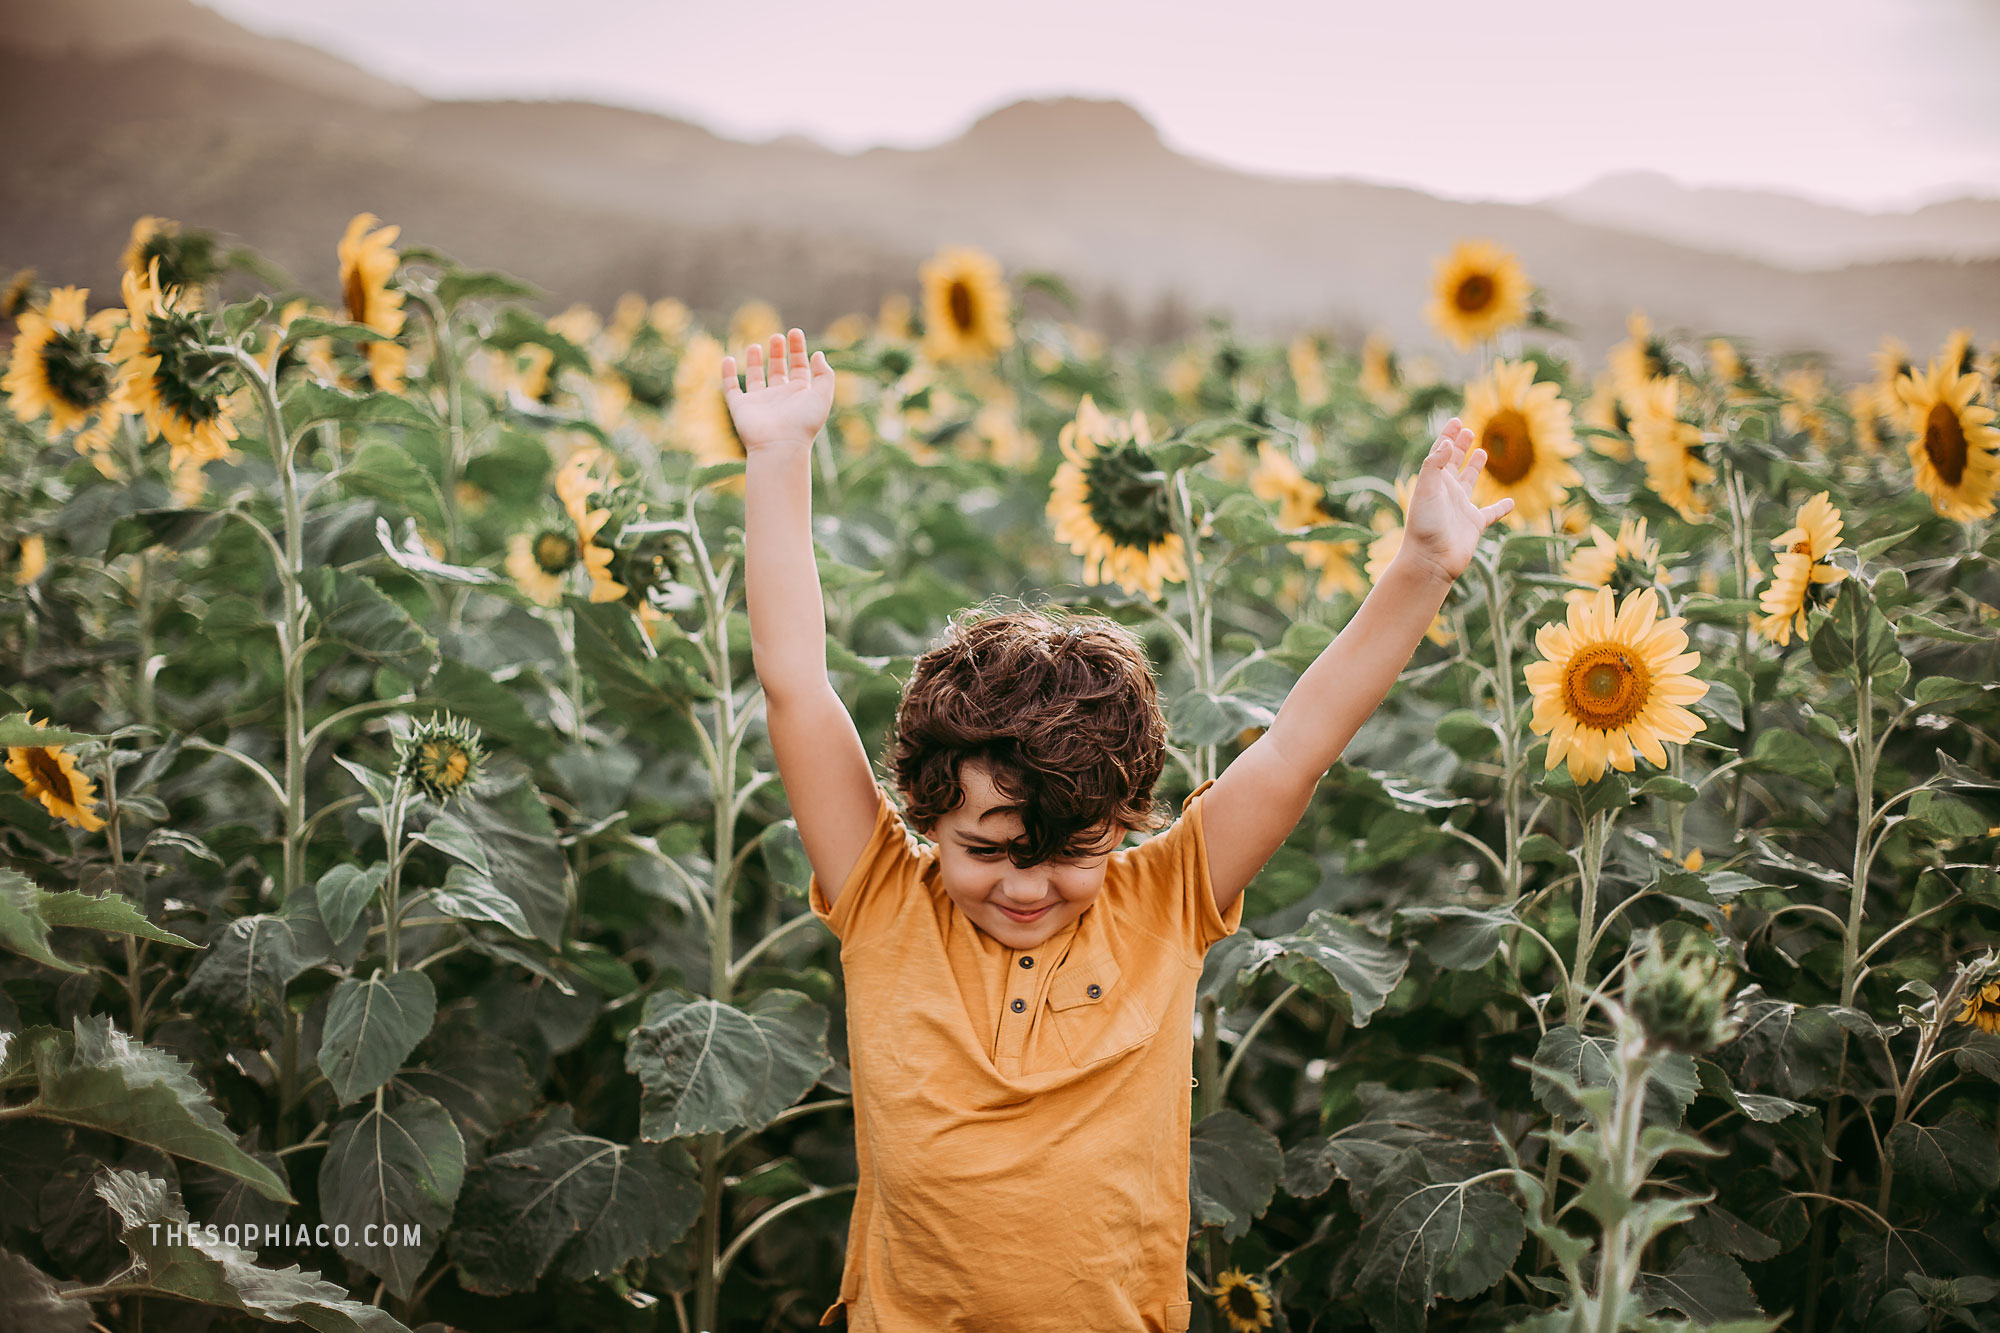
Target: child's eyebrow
column 997, row 810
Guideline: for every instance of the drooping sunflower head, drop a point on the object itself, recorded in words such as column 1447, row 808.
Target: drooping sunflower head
column 1244, row 1301
column 1479, row 290
column 184, row 259
column 1954, row 448
column 1800, row 409
column 166, row 375
column 1301, row 503
column 1111, row 503
column 1959, row 352
column 1306, row 357
column 442, row 759
column 966, row 308
column 1801, row 567
column 1643, row 357
column 1724, row 361
column 1604, row 410
column 368, row 263
column 59, row 366
column 1613, row 684
column 1624, row 564
column 1981, row 1005
column 699, row 421
column 19, row 294
column 1524, row 427
column 1669, row 447
column 49, row 774
column 1380, row 379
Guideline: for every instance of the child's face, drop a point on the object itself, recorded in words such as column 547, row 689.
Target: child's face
column 997, row 895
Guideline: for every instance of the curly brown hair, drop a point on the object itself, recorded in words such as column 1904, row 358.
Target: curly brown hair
column 1059, row 709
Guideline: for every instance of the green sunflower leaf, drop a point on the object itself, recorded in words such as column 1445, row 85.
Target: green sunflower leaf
column 393, row 1173
column 372, row 1025
column 1234, row 1165
column 706, row 1066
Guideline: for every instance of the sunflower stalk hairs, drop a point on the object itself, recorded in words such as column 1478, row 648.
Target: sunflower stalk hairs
column 1675, row 1005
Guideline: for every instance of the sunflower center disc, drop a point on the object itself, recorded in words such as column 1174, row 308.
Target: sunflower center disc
column 1944, row 442
column 555, row 552
column 1802, row 547
column 76, row 377
column 1474, row 294
column 48, row 772
column 1128, row 498
column 1605, row 686
column 1243, row 1303
column 354, row 295
column 959, row 300
column 1510, row 446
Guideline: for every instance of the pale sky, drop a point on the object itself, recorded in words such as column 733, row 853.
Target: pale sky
column 1871, row 103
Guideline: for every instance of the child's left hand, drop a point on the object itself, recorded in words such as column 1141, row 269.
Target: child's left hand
column 1443, row 524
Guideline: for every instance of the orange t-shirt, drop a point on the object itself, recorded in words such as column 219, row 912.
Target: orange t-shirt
column 1021, row 1116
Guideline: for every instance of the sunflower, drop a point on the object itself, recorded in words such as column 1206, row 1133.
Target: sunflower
column 538, row 561
column 1110, row 502
column 1614, row 684
column 580, row 324
column 1724, row 361
column 1959, row 353
column 59, row 367
column 186, row 259
column 597, row 559
column 1243, row 1300
column 1479, row 290
column 700, row 421
column 367, row 263
column 1799, row 410
column 1624, row 563
column 1953, row 442
column 1639, row 361
column 442, row 759
column 1306, row 356
column 1667, row 446
column 1379, row 378
column 1892, row 362
column 31, row 559
column 18, row 294
column 1301, row 503
column 1802, row 551
column 165, row 376
column 965, row 306
column 316, row 353
column 892, row 318
column 1183, row 376
column 50, row 775
column 1604, row 410
column 1524, row 428
column 1982, row 1008
column 753, row 322
column 1864, row 408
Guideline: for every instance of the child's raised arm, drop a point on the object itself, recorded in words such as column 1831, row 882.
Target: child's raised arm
column 821, row 759
column 1260, row 798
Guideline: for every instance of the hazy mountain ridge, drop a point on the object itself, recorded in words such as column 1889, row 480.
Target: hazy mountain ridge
column 590, row 201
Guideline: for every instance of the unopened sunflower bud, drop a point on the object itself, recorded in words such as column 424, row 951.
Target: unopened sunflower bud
column 1684, row 1001
column 442, row 759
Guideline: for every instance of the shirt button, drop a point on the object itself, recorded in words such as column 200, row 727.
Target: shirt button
column 1019, row 1005
column 1027, row 961
column 1095, row 990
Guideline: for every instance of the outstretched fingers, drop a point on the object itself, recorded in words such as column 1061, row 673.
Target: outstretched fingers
column 777, row 357
column 729, row 381
column 799, row 368
column 1498, row 509
column 753, row 367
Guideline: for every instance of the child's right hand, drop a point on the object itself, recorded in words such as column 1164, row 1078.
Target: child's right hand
column 789, row 410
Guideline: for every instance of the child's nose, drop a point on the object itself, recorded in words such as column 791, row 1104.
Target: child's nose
column 1026, row 891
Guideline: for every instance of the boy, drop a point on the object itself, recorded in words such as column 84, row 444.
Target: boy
column 1020, row 995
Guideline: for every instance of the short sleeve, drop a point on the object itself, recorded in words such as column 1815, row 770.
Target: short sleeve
column 1173, row 887
column 888, row 863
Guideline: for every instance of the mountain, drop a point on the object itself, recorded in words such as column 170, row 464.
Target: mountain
column 228, row 130
column 1782, row 229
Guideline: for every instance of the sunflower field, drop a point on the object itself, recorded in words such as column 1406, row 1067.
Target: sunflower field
column 401, row 927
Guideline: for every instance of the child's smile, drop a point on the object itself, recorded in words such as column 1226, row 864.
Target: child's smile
column 1019, row 906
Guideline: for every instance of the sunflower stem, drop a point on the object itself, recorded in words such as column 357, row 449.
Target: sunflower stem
column 1510, row 735
column 1590, row 865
